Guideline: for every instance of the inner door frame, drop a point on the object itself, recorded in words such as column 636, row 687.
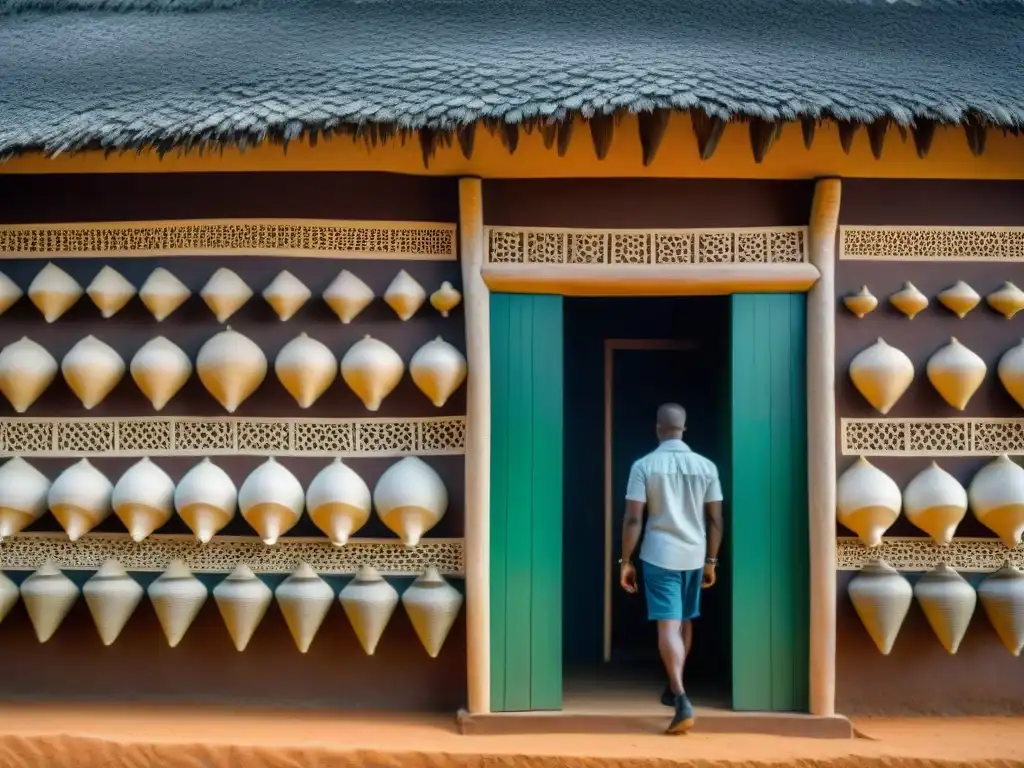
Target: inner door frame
column 611, row 346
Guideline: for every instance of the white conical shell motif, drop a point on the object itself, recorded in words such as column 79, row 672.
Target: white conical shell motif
column 881, row 597
column 1002, row 596
column 92, row 369
column 225, row 293
column 948, row 602
column 110, row 291
column 432, row 605
column 286, row 294
column 48, row 596
column 304, row 599
column 410, row 498
column 996, row 495
column 205, row 499
column 160, row 369
column 231, row 368
column 23, row 492
column 936, row 503
column 162, row 293
column 445, row 299
column 861, row 303
column 405, row 295
column 26, row 370
column 112, row 596
column 177, row 598
column 243, row 601
column 438, row 369
column 271, row 500
column 909, row 301
column 306, row 368
column 369, row 603
column 1008, row 300
column 143, row 499
column 338, row 502
column 959, row 299
column 80, row 498
column 8, row 595
column 956, row 373
column 868, row 501
column 881, row 373
column 372, row 370
column 9, row 293
column 54, row 292
column 347, row 295
column 1011, row 372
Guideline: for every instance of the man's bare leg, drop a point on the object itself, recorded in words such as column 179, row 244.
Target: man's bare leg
column 686, row 632
column 673, row 652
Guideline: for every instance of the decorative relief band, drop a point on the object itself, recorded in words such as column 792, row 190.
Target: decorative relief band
column 220, row 436
column 920, row 554
column 931, row 437
column 541, row 245
column 389, row 556
column 323, row 238
column 931, row 243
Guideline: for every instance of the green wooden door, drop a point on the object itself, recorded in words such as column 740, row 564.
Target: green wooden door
column 769, row 488
column 526, row 502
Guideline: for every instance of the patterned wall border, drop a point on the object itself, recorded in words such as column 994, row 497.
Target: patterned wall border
column 224, row 436
column 320, row 238
column 920, row 554
column 548, row 245
column 389, row 556
column 931, row 437
column 931, row 243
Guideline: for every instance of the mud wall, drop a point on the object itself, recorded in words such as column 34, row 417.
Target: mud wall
column 205, row 666
column 919, row 676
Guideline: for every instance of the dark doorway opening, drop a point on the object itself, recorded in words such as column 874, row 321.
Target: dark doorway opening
column 623, row 358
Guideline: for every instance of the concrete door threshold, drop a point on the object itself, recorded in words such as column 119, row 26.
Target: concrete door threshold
column 709, row 720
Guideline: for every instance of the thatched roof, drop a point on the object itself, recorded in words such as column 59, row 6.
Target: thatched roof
column 117, row 74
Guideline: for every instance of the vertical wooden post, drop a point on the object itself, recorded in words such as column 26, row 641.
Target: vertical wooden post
column 477, row 536
column 821, row 446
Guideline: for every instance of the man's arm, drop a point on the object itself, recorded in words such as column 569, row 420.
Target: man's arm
column 631, row 527
column 715, row 527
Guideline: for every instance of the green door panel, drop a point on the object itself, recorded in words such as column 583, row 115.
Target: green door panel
column 526, row 502
column 769, row 488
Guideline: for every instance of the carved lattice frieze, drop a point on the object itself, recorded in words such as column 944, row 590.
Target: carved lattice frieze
column 921, row 554
column 186, row 436
column 931, row 437
column 540, row 245
column 390, row 557
column 271, row 237
column 931, row 243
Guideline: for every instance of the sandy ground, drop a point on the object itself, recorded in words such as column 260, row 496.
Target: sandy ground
column 101, row 736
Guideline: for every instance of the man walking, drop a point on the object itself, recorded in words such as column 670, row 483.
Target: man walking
column 683, row 497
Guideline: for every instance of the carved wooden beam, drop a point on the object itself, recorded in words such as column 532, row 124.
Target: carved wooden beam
column 821, row 445
column 477, row 535
column 644, row 280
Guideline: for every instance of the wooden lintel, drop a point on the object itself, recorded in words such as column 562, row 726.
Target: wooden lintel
column 642, row 280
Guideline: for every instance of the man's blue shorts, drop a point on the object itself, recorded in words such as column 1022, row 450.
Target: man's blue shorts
column 672, row 594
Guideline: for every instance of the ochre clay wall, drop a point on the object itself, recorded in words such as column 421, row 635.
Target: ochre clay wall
column 206, row 666
column 919, row 676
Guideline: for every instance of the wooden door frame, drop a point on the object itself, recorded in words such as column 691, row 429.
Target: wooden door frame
column 611, row 346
